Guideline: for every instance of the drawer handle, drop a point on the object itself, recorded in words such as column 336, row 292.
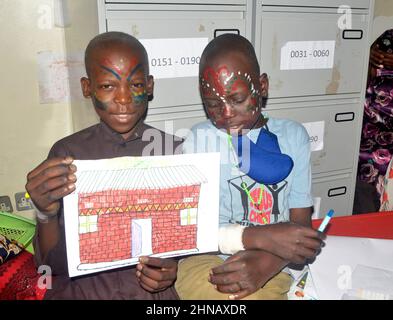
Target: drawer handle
column 344, row 116
column 352, row 34
column 334, row 192
column 218, row 32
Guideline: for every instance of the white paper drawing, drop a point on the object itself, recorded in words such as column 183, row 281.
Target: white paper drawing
column 126, row 207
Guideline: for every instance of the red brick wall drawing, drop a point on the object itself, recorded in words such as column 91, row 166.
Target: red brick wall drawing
column 117, row 208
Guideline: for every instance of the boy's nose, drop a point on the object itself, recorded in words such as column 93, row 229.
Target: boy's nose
column 123, row 95
column 227, row 111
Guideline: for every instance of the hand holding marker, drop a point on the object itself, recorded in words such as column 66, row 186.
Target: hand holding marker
column 326, row 220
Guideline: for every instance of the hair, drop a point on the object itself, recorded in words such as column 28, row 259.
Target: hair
column 108, row 39
column 228, row 43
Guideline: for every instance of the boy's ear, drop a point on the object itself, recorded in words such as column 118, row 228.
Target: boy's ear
column 85, row 84
column 264, row 85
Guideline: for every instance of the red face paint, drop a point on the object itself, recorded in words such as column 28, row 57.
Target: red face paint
column 229, row 97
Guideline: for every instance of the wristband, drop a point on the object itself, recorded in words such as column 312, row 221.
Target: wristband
column 42, row 217
column 230, row 238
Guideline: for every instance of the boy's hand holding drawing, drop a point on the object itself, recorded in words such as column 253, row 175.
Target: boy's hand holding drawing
column 52, row 180
column 156, row 274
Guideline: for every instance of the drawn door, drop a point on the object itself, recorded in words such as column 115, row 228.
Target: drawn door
column 141, row 234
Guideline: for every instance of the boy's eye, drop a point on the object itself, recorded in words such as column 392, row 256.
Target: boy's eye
column 238, row 100
column 137, row 85
column 106, row 86
column 213, row 104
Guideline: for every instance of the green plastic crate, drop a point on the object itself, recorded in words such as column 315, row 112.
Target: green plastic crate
column 17, row 228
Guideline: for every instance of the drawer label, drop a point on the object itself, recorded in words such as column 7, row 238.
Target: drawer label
column 298, row 55
column 316, row 132
column 174, row 58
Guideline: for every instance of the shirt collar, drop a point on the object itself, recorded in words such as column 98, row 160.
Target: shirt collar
column 136, row 134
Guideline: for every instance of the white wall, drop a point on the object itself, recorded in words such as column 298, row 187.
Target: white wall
column 29, row 128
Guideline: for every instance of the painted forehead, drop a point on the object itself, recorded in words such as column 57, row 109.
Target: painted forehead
column 222, row 81
column 120, row 63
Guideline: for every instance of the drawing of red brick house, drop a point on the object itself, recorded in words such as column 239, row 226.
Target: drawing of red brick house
column 139, row 211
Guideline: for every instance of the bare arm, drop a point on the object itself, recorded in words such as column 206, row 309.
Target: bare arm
column 301, row 216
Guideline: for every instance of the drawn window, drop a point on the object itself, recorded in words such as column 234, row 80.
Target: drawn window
column 188, row 199
column 88, row 224
column 188, row 216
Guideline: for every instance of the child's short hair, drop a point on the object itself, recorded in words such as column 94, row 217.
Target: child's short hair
column 229, row 42
column 107, row 39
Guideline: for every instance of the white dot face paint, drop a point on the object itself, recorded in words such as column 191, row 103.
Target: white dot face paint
column 225, row 82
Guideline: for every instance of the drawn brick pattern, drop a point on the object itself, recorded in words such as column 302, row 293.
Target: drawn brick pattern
column 117, row 208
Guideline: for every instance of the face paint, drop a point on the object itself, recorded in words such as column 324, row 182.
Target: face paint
column 137, row 67
column 140, row 97
column 118, row 77
column 99, row 104
column 231, row 100
column 221, row 83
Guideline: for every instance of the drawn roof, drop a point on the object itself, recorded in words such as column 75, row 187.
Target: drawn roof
column 139, row 178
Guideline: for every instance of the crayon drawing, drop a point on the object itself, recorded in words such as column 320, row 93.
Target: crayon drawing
column 133, row 206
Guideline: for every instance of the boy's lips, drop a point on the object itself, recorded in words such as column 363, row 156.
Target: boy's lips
column 122, row 117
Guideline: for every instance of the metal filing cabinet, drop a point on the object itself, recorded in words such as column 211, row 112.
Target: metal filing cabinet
column 166, row 28
column 324, row 92
column 306, row 54
column 317, row 73
column 334, row 148
column 332, row 192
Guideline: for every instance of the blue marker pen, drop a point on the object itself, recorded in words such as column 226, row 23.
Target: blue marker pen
column 326, row 220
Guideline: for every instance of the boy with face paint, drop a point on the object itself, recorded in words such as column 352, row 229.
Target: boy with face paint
column 265, row 178
column 119, row 85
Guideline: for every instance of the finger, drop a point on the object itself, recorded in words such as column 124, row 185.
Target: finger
column 157, row 274
column 305, row 253
column 227, row 266
column 311, row 243
column 151, row 283
column 55, row 195
column 48, row 164
column 41, row 179
column 55, row 183
column 240, row 295
column 299, row 260
column 146, row 287
column 225, row 278
column 311, row 233
column 231, row 288
column 158, row 262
